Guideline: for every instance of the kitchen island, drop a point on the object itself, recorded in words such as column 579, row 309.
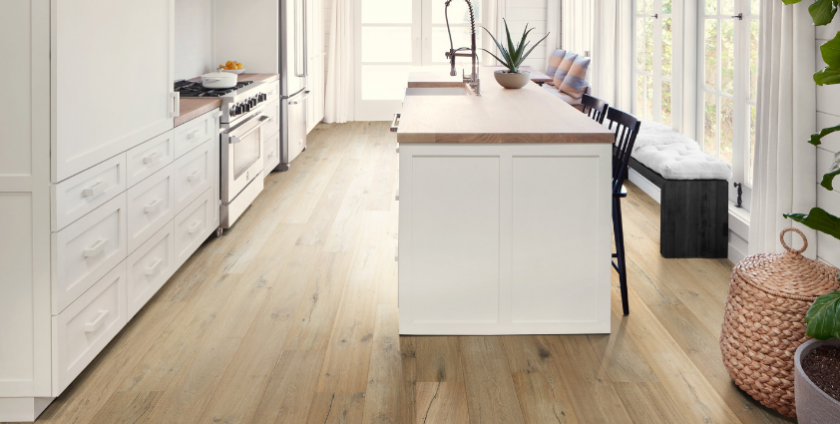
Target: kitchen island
column 505, row 219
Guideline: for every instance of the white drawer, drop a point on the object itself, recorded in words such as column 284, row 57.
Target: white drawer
column 194, row 225
column 77, row 196
column 150, row 157
column 271, row 150
column 196, row 132
column 86, row 250
column 82, row 330
column 272, row 110
column 150, row 206
column 149, row 268
column 192, row 174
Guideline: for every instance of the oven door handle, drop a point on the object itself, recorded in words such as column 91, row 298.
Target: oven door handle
column 237, row 138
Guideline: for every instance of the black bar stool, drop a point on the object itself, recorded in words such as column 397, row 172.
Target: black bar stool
column 626, row 130
column 595, row 108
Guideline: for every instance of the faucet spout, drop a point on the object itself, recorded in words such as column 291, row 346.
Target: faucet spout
column 473, row 79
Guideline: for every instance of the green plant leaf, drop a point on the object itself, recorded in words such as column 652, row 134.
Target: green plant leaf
column 511, row 50
column 828, row 179
column 830, row 51
column 828, row 76
column 791, row 1
column 504, row 54
column 816, row 139
column 496, row 57
column 823, row 318
column 823, row 11
column 535, row 46
column 820, row 220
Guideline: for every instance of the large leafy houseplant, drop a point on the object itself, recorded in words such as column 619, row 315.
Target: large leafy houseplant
column 513, row 56
column 823, row 12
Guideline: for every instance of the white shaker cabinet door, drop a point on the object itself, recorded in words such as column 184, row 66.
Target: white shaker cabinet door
column 112, row 79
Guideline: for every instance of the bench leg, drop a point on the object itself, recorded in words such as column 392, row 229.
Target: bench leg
column 620, row 264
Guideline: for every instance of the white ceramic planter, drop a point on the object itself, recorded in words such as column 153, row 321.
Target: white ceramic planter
column 813, row 406
column 512, row 81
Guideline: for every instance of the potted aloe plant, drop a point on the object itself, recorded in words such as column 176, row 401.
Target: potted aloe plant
column 817, row 361
column 512, row 59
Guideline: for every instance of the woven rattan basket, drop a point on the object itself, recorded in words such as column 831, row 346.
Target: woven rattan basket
column 764, row 321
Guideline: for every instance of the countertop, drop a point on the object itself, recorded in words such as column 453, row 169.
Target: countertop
column 429, row 79
column 192, row 108
column 528, row 115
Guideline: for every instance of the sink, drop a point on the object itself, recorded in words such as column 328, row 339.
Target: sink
column 435, row 91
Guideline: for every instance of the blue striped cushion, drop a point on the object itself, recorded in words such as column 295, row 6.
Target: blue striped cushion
column 575, row 82
column 564, row 68
column 554, row 62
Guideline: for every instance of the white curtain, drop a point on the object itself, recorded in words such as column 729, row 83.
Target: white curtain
column 340, row 63
column 578, row 25
column 611, row 68
column 784, row 178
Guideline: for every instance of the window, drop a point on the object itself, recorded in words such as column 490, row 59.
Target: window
column 393, row 36
column 654, row 64
column 728, row 84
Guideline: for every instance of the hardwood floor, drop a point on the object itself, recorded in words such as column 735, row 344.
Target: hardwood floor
column 291, row 317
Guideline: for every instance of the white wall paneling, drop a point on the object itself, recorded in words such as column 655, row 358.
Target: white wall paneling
column 194, row 38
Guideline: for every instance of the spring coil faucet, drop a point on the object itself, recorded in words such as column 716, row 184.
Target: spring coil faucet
column 473, row 79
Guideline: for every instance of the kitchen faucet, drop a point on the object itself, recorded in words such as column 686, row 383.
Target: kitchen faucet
column 473, row 79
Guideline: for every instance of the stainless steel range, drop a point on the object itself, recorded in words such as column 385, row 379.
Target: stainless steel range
column 247, row 110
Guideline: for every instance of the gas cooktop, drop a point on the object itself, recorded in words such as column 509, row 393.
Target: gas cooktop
column 195, row 89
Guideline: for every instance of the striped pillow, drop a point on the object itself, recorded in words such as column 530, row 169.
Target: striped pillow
column 575, row 82
column 554, row 62
column 564, row 68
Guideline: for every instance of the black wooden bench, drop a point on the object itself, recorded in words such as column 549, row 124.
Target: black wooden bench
column 694, row 215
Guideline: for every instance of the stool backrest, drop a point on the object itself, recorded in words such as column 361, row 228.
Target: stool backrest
column 626, row 131
column 595, row 108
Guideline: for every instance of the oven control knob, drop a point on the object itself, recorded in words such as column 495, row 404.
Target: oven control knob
column 238, row 109
column 254, row 101
column 232, row 110
column 246, row 107
column 263, row 97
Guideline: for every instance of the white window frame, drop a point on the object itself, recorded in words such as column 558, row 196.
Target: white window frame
column 741, row 93
column 676, row 78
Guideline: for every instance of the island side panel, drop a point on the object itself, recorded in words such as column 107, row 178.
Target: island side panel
column 531, row 223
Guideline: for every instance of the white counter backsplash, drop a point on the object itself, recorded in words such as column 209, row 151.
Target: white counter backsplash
column 193, row 38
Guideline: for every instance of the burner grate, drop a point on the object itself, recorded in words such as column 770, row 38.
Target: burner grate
column 195, row 89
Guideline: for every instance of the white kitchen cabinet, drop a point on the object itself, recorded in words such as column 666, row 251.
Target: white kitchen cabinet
column 315, row 78
column 112, row 75
column 91, row 177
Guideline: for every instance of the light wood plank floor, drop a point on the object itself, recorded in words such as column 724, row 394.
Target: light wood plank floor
column 291, row 317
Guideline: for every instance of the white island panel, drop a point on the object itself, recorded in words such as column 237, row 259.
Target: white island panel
column 456, row 228
column 505, row 238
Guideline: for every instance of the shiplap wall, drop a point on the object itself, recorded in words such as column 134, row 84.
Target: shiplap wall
column 534, row 13
column 193, row 38
column 828, row 114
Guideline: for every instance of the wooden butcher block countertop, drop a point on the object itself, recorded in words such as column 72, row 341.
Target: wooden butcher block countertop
column 528, row 115
column 192, row 108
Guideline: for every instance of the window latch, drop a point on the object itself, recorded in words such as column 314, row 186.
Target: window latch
column 740, row 16
column 739, row 203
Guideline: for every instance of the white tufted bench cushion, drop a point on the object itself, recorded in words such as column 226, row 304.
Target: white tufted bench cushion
column 675, row 156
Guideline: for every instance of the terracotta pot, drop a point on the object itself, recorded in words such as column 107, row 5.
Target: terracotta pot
column 813, row 406
column 513, row 81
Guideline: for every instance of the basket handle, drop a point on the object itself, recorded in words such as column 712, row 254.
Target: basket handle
column 788, row 248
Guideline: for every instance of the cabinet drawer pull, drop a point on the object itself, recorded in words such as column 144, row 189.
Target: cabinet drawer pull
column 95, row 190
column 94, row 325
column 192, row 135
column 153, row 268
column 154, row 157
column 152, row 207
column 96, row 249
column 395, row 123
column 193, row 176
column 194, row 227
